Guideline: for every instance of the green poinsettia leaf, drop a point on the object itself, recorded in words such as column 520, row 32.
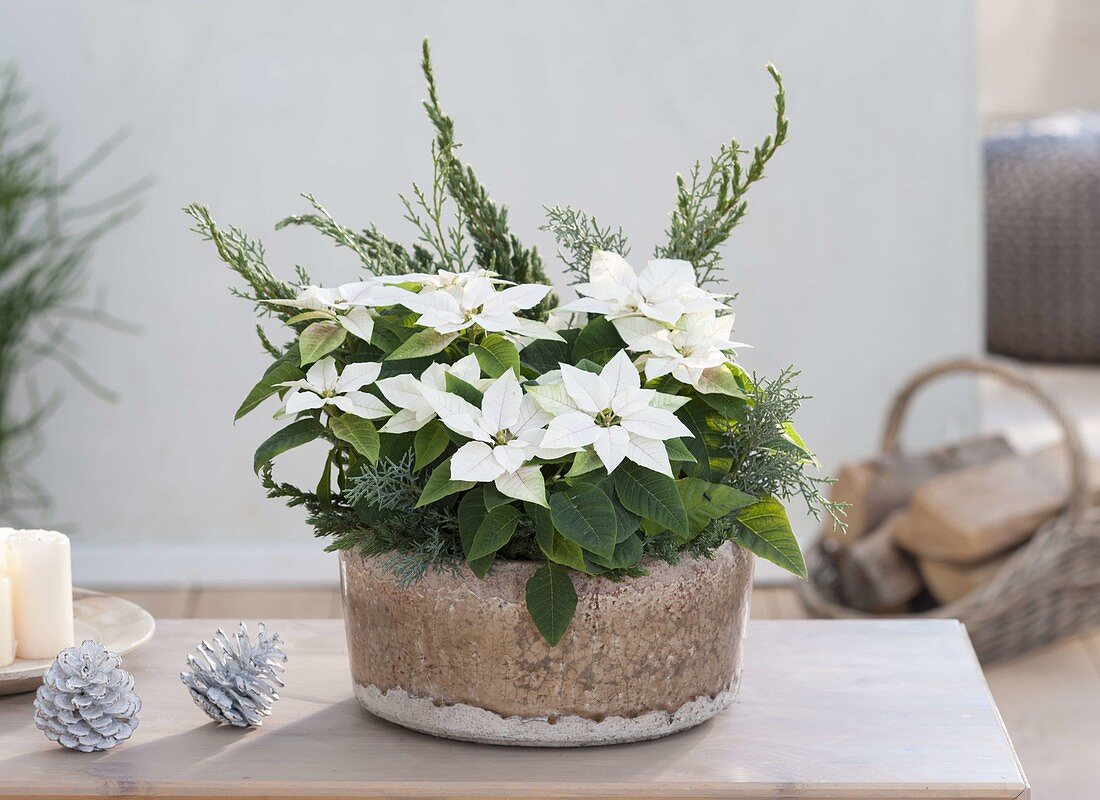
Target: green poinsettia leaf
column 678, row 451
column 359, row 433
column 466, row 391
column 551, row 601
column 471, row 513
column 496, row 355
column 553, row 545
column 584, row 515
column 284, row 370
column 544, row 355
column 425, row 342
column 764, row 529
column 598, row 341
column 429, row 444
column 627, row 553
column 650, row 495
column 293, row 435
column 706, row 501
column 708, row 445
column 495, row 531
column 318, row 340
column 440, row 485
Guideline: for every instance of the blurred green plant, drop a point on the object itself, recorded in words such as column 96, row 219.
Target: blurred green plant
column 45, row 242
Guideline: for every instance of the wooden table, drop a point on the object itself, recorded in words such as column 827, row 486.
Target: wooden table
column 827, row 710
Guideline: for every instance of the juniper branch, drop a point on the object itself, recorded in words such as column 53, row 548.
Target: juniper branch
column 496, row 247
column 711, row 203
column 578, row 235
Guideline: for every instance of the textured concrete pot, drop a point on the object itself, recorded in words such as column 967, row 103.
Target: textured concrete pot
column 459, row 657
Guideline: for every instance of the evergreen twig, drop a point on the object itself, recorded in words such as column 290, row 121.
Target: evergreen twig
column 496, row 247
column 578, row 235
column 711, row 202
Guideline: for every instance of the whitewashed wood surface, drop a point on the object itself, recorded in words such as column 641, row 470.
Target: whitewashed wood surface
column 829, row 709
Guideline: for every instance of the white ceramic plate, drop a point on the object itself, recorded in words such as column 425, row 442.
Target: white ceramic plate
column 118, row 624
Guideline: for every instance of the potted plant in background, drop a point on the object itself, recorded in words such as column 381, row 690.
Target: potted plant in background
column 547, row 515
column 45, row 242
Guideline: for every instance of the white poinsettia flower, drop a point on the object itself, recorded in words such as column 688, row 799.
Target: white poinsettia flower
column 459, row 304
column 407, row 392
column 506, row 432
column 695, row 352
column 318, row 303
column 612, row 413
column 325, row 386
column 442, row 279
column 662, row 292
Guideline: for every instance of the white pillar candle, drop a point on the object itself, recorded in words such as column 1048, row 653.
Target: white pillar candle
column 7, row 622
column 42, row 592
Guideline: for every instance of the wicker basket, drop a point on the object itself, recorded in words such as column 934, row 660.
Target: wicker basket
column 1049, row 588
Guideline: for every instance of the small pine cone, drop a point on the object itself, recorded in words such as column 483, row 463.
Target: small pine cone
column 86, row 701
column 236, row 682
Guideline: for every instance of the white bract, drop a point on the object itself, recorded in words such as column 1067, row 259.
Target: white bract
column 695, row 352
column 663, row 292
column 407, row 392
column 612, row 413
column 317, row 303
column 325, row 386
column 450, row 302
column 506, row 431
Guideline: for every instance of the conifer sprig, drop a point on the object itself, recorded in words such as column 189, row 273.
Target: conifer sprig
column 496, row 247
column 711, row 203
column 578, row 235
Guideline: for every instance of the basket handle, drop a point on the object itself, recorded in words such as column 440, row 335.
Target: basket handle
column 1013, row 375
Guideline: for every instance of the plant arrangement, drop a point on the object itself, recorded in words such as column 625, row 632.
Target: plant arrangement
column 470, row 417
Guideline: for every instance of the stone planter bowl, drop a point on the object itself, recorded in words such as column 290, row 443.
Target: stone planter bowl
column 459, row 657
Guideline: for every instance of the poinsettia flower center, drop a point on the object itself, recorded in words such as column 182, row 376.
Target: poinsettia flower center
column 505, row 436
column 607, row 418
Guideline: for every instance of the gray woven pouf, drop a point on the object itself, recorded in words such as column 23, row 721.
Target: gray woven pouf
column 1043, row 239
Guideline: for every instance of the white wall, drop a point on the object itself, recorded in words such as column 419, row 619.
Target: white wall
column 859, row 259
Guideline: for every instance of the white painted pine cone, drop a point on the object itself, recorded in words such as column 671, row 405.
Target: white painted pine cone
column 86, row 701
column 236, row 682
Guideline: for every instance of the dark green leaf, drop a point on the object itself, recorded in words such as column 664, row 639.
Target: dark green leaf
column 598, row 341
column 708, row 444
column 456, row 385
column 707, row 501
column 733, row 408
column 551, row 601
column 583, row 514
column 283, row 370
column 471, row 513
column 496, row 355
column 678, row 451
column 627, row 553
column 324, row 486
column 626, row 522
column 495, row 531
column 320, row 339
column 765, row 530
column 440, row 485
column 293, row 435
column 543, row 355
column 429, row 443
column 650, row 495
column 494, row 497
column 555, row 546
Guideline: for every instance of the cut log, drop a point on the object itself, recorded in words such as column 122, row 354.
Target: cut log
column 949, row 582
column 972, row 515
column 876, row 488
column 875, row 575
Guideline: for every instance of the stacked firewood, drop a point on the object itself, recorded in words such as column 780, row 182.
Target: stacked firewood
column 927, row 529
